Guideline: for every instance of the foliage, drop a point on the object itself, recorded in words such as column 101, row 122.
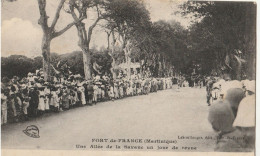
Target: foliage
column 223, row 28
column 18, row 65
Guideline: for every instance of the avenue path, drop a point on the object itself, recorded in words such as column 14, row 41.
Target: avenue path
column 176, row 115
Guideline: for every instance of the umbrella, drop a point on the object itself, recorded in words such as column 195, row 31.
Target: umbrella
column 246, row 112
column 221, row 116
column 234, row 96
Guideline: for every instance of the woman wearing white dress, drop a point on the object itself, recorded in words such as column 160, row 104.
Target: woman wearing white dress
column 111, row 93
column 47, row 93
column 99, row 94
column 41, row 106
column 128, row 93
column 55, row 100
column 95, row 95
column 83, row 99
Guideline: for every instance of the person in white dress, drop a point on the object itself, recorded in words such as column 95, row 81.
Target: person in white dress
column 95, row 95
column 41, row 106
column 128, row 91
column 83, row 99
column 54, row 100
column 47, row 93
column 121, row 91
column 111, row 92
column 116, row 92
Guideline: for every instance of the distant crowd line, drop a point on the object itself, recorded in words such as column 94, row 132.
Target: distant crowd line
column 31, row 96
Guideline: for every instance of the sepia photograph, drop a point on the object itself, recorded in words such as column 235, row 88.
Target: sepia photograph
column 128, row 75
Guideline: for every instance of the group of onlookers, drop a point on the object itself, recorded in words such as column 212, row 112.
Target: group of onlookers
column 32, row 96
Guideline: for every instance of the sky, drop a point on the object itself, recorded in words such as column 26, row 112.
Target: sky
column 21, row 34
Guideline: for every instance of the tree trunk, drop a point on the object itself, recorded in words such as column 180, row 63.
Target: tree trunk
column 46, row 41
column 113, row 59
column 87, row 64
column 113, row 68
column 128, row 63
column 83, row 43
column 127, row 52
column 128, row 67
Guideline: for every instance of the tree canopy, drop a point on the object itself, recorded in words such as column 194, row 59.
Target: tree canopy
column 223, row 28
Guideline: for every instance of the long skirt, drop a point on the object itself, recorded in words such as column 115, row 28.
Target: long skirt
column 41, row 105
column 95, row 96
column 83, row 98
column 47, row 104
column 116, row 93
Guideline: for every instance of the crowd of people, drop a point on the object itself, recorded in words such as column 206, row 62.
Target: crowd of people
column 232, row 113
column 31, row 96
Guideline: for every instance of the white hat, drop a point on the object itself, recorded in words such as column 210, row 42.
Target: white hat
column 38, row 85
column 23, row 86
column 246, row 113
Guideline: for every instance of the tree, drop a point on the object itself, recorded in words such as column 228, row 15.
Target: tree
column 110, row 31
column 224, row 28
column 50, row 33
column 78, row 10
column 129, row 19
column 171, row 46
